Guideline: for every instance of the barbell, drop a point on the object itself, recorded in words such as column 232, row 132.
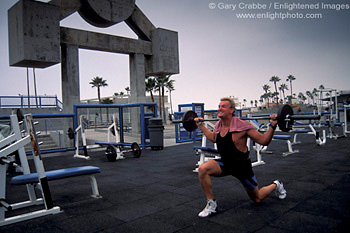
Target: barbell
column 285, row 119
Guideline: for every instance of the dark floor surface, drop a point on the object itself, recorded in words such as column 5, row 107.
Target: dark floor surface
column 158, row 192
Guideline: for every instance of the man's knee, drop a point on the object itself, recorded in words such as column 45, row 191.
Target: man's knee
column 203, row 170
column 254, row 195
column 256, row 199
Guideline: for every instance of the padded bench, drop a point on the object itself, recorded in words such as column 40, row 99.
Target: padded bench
column 206, row 149
column 61, row 174
column 205, row 154
column 289, row 143
column 296, row 132
column 281, row 137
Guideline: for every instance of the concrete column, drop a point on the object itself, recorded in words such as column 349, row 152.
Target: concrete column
column 70, row 76
column 137, row 87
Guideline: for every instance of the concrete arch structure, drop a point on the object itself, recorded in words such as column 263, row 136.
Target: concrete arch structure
column 37, row 40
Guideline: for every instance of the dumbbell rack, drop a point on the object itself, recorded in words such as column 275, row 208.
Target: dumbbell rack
column 15, row 142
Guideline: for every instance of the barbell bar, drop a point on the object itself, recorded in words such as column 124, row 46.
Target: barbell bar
column 285, row 119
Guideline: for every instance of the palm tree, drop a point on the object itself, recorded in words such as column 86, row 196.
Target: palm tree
column 290, row 79
column 170, row 86
column 266, row 97
column 266, row 88
column 321, row 88
column 301, row 97
column 107, row 101
column 310, row 96
column 275, row 79
column 274, row 96
column 160, row 83
column 244, row 102
column 151, row 86
column 282, row 88
column 98, row 82
column 127, row 90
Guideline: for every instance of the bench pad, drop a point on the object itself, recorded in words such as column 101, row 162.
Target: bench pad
column 281, row 137
column 208, row 149
column 55, row 174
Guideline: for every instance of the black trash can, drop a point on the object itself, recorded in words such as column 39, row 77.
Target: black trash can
column 156, row 135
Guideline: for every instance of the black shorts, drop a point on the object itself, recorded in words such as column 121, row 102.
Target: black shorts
column 242, row 170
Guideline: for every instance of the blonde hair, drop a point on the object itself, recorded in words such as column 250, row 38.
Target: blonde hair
column 232, row 102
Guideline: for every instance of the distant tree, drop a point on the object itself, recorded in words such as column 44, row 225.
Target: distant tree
column 98, row 82
column 301, row 97
column 275, row 79
column 151, row 86
column 282, row 88
column 310, row 96
column 107, row 101
column 265, row 96
column 266, row 88
column 127, row 89
column 170, row 86
column 161, row 83
column 290, row 79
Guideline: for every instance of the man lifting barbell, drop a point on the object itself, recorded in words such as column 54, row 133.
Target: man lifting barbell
column 231, row 133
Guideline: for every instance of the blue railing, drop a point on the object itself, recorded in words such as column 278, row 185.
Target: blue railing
column 22, row 101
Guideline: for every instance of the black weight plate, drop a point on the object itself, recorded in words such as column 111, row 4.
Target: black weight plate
column 19, row 115
column 70, row 133
column 136, row 149
column 188, row 121
column 111, row 153
column 283, row 112
column 112, row 130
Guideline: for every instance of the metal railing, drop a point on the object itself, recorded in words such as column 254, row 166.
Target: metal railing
column 22, row 101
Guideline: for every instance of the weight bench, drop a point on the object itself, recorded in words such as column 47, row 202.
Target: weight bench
column 205, row 154
column 296, row 132
column 289, row 143
column 33, row 178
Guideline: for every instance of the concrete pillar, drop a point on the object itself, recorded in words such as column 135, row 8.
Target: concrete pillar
column 70, row 76
column 137, row 87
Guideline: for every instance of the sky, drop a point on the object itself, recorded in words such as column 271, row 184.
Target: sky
column 220, row 53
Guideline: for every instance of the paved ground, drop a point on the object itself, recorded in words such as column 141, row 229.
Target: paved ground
column 159, row 193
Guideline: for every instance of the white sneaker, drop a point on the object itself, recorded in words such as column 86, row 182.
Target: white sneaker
column 209, row 209
column 281, row 193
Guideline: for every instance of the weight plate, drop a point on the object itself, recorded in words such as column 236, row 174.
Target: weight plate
column 111, row 153
column 112, row 130
column 188, row 121
column 136, row 149
column 283, row 112
column 70, row 133
column 19, row 115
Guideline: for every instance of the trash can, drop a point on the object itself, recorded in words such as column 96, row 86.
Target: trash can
column 155, row 130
